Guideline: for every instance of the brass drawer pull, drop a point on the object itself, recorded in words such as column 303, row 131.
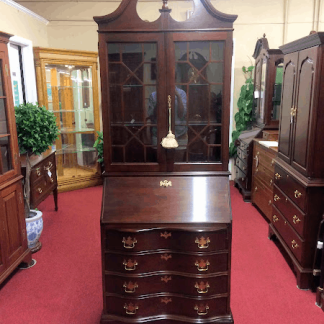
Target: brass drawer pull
column 203, row 243
column 49, row 166
column 39, row 190
column 202, row 309
column 130, row 287
column 270, row 202
column 165, row 183
column 256, row 189
column 202, row 288
column 296, row 220
column 130, row 265
column 275, row 218
column 165, row 235
column 277, row 176
column 294, row 244
column 52, row 180
column 166, row 300
column 166, row 279
column 297, row 194
column 129, row 243
column 202, row 265
column 244, row 168
column 166, row 256
column 131, row 309
column 38, row 172
column 272, row 162
column 276, row 197
column 271, row 182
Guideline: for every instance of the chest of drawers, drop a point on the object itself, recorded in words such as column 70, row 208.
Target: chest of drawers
column 263, row 177
column 296, row 215
column 166, row 251
column 43, row 179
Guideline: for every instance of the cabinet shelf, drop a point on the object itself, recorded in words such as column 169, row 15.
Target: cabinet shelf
column 72, row 130
column 74, row 149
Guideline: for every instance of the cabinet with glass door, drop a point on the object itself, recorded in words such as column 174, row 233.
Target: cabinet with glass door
column 67, row 85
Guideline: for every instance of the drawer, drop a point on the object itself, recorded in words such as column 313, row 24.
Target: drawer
column 290, row 187
column 242, row 155
column 263, row 158
column 151, row 284
column 295, row 217
column 135, row 263
column 293, row 241
column 262, row 197
column 172, row 305
column 45, row 168
column 265, row 176
column 154, row 239
column 39, row 188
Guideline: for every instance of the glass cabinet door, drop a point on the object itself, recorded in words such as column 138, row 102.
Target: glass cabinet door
column 6, row 149
column 276, row 100
column 70, row 98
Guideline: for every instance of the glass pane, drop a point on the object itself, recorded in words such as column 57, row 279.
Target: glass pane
column 133, row 102
column 5, row 159
column 1, row 84
column 70, row 97
column 215, row 154
column 198, row 128
column 277, row 93
column 114, row 52
column 257, row 89
column 262, row 88
column 217, row 50
column 3, row 117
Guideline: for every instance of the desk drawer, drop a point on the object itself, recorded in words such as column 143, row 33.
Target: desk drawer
column 289, row 186
column 160, row 305
column 151, row 284
column 294, row 216
column 152, row 239
column 262, row 197
column 136, row 263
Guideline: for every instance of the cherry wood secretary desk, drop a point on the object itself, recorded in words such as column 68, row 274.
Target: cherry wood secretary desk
column 166, row 222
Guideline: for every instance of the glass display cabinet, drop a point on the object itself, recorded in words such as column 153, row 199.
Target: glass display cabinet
column 166, row 212
column 268, row 72
column 13, row 236
column 67, row 84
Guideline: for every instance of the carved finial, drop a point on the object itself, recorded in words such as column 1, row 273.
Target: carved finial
column 264, row 35
column 165, row 4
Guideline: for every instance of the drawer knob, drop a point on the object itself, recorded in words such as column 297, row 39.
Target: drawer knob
column 38, row 172
column 131, row 309
column 271, row 182
column 165, row 235
column 39, row 190
column 272, row 162
column 129, row 243
column 276, row 197
column 52, row 180
column 130, row 265
column 202, row 288
column 297, row 194
column 203, row 243
column 296, row 220
column 166, row 300
column 202, row 265
column 275, row 218
column 130, row 287
column 166, row 256
column 202, row 309
column 165, row 183
column 277, row 176
column 166, row 279
column 294, row 244
column 270, row 202
column 49, row 166
column 256, row 189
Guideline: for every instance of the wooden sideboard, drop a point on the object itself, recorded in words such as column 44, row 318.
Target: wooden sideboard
column 263, row 176
column 43, row 179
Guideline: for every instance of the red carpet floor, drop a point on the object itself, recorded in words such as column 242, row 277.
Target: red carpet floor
column 64, row 287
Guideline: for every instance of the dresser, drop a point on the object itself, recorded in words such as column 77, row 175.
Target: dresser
column 263, row 175
column 166, row 217
column 268, row 69
column 13, row 238
column 43, row 178
column 298, row 191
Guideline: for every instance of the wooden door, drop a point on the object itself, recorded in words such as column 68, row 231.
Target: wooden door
column 307, row 63
column 13, row 224
column 287, row 102
column 200, row 77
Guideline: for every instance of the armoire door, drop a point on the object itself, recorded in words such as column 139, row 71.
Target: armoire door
column 301, row 145
column 13, row 220
column 198, row 81
column 135, row 84
column 287, row 104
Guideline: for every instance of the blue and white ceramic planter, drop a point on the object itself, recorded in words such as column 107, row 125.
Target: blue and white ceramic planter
column 34, row 227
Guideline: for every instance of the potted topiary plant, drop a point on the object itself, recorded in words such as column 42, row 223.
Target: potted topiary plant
column 36, row 130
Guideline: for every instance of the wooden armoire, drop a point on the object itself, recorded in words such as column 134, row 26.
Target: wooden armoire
column 266, row 110
column 299, row 169
column 13, row 237
column 166, row 221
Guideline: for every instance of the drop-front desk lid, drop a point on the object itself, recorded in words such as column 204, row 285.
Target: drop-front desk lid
column 146, row 200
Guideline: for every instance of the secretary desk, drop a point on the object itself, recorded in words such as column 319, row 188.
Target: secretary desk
column 166, row 222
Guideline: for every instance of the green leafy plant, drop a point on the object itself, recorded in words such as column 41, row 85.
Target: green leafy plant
column 98, row 145
column 244, row 116
column 36, row 130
